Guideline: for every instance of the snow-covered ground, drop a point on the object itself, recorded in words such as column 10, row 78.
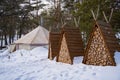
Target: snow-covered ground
column 34, row 65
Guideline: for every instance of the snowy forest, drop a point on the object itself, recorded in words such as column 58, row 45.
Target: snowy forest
column 18, row 17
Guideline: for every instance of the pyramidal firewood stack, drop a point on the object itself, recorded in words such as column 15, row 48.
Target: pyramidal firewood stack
column 101, row 46
column 71, row 44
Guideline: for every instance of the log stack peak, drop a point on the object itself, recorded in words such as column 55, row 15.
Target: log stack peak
column 101, row 46
column 71, row 44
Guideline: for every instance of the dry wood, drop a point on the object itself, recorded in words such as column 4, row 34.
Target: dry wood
column 98, row 12
column 97, row 52
column 93, row 15
column 71, row 45
column 111, row 14
column 75, row 21
column 64, row 53
column 105, row 17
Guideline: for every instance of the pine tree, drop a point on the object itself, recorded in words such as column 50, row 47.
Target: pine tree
column 15, row 17
column 83, row 9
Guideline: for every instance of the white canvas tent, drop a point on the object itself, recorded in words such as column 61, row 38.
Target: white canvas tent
column 38, row 37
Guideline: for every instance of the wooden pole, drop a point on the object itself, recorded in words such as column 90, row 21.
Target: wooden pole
column 98, row 11
column 64, row 25
column 79, row 20
column 93, row 14
column 111, row 14
column 76, row 24
column 105, row 17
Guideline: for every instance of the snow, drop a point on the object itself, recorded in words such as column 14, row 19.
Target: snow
column 118, row 35
column 34, row 65
column 48, row 4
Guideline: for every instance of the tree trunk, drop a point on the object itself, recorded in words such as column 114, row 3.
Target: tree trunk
column 1, row 41
column 9, row 38
column 12, row 38
column 5, row 36
column 20, row 32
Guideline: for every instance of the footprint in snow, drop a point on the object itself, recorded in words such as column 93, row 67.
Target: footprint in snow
column 30, row 73
column 2, row 72
column 31, row 78
column 94, row 74
column 90, row 67
column 42, row 59
column 86, row 79
column 39, row 71
column 71, row 78
column 81, row 73
column 76, row 71
column 84, row 68
column 19, row 77
column 64, row 73
column 54, row 78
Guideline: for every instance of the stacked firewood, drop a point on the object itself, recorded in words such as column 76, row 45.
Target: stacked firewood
column 98, row 53
column 64, row 54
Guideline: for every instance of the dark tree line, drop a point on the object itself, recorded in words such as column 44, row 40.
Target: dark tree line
column 78, row 13
column 16, row 19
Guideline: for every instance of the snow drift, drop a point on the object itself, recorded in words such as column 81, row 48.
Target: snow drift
column 34, row 65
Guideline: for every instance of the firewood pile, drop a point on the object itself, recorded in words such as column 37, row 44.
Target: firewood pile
column 71, row 45
column 100, row 49
column 64, row 55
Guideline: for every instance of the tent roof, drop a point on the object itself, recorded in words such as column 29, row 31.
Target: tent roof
column 38, row 36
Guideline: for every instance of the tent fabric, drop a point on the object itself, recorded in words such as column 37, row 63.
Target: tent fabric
column 38, row 37
column 12, row 47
